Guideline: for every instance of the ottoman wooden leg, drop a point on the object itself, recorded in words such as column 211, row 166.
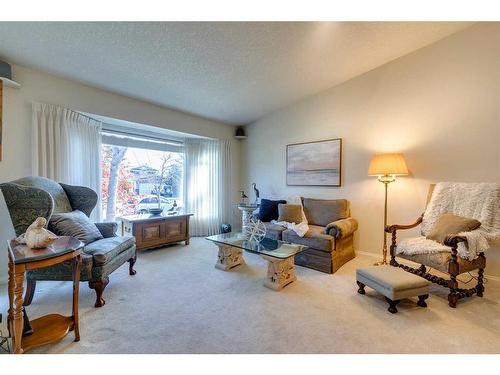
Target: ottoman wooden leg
column 392, row 305
column 361, row 289
column 421, row 300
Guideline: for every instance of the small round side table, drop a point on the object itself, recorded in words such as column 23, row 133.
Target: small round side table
column 49, row 328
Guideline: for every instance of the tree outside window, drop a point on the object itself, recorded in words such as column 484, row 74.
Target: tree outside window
column 132, row 177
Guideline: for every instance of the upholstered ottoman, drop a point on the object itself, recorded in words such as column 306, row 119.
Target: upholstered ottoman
column 393, row 283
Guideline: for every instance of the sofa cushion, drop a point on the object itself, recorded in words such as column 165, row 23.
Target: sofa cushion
column 314, row 238
column 75, row 224
column 106, row 249
column 291, row 213
column 268, row 209
column 324, row 211
column 274, row 231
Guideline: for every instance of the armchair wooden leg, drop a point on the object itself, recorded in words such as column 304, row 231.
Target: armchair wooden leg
column 452, row 299
column 131, row 263
column 480, row 286
column 453, row 296
column 30, row 292
column 453, row 270
column 99, row 286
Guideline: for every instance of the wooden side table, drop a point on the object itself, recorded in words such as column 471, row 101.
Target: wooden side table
column 48, row 328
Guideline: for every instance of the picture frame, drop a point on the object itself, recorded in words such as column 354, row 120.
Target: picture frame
column 316, row 163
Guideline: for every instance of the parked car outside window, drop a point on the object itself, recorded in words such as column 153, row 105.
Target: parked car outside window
column 152, row 202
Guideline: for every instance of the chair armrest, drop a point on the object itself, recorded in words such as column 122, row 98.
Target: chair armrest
column 81, row 198
column 342, row 228
column 393, row 228
column 452, row 240
column 108, row 229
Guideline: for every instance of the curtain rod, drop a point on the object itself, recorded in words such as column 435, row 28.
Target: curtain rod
column 145, row 137
column 68, row 109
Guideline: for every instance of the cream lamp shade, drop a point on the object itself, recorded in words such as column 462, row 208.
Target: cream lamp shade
column 388, row 164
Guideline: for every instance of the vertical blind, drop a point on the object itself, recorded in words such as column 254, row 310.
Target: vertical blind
column 207, row 184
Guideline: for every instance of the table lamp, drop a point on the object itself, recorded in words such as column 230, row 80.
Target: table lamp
column 386, row 167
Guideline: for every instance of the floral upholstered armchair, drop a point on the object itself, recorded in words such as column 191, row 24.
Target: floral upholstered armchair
column 31, row 197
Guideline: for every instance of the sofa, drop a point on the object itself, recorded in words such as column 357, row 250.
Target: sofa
column 30, row 197
column 330, row 236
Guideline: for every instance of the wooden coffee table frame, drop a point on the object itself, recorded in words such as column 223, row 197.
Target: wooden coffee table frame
column 49, row 328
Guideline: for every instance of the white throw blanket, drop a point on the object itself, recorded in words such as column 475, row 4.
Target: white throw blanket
column 480, row 201
column 301, row 228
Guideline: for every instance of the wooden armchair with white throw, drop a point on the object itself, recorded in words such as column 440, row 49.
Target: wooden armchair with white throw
column 457, row 228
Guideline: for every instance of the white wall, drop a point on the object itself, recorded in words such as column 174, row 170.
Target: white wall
column 438, row 105
column 42, row 87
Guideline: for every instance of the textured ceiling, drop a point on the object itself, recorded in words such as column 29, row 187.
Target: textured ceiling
column 231, row 72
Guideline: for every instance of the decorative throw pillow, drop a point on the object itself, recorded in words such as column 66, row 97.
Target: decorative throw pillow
column 268, row 209
column 291, row 213
column 291, row 199
column 75, row 224
column 451, row 224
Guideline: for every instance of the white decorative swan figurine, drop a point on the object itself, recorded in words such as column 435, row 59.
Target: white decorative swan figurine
column 36, row 236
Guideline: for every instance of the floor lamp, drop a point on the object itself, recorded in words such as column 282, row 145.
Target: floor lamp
column 386, row 167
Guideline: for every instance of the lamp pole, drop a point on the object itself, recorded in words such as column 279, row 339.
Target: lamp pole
column 386, row 167
column 386, row 180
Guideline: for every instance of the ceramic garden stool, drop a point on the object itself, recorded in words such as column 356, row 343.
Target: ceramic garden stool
column 393, row 283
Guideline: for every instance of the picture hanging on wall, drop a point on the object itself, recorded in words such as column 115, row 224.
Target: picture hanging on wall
column 314, row 163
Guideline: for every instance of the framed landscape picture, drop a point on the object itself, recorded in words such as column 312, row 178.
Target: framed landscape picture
column 314, row 163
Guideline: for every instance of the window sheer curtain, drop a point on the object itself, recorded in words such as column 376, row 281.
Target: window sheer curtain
column 207, row 184
column 67, row 148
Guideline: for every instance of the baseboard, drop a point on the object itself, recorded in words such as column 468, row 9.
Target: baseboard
column 373, row 255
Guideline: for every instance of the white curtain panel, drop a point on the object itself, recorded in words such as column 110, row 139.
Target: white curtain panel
column 207, row 184
column 67, row 148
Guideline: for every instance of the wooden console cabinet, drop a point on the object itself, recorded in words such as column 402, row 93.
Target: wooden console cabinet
column 156, row 231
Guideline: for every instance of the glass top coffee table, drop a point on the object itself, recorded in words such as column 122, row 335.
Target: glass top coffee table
column 279, row 255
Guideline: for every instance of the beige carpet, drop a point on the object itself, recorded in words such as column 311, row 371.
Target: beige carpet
column 179, row 303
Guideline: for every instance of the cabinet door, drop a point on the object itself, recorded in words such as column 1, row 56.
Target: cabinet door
column 150, row 234
column 175, row 230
